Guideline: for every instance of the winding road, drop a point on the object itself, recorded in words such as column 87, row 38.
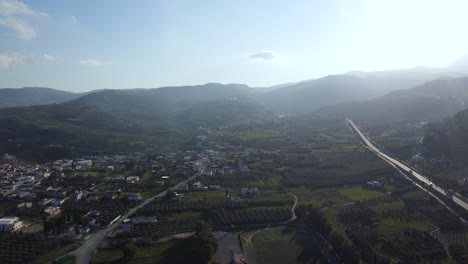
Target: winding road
column 455, row 197
column 249, row 251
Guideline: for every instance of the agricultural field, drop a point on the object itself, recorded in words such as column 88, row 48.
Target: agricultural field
column 147, row 253
column 214, row 207
column 284, row 245
column 358, row 193
column 322, row 164
column 23, row 248
column 56, row 253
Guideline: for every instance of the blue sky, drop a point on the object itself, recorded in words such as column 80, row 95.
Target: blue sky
column 84, row 45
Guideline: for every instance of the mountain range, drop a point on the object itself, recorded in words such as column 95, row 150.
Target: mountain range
column 11, row 97
column 448, row 137
column 42, row 122
column 431, row 101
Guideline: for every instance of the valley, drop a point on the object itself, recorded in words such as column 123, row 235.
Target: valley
column 134, row 176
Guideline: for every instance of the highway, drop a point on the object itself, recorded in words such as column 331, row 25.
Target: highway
column 457, row 198
column 84, row 253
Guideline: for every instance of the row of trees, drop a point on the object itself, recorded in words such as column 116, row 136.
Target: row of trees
column 198, row 249
column 249, row 216
column 315, row 221
column 166, row 206
column 410, row 246
column 23, row 248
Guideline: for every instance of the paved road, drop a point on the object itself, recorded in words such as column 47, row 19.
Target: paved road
column 84, row 253
column 293, row 208
column 250, row 254
column 457, row 198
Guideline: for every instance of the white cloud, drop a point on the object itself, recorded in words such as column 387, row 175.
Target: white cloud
column 15, row 15
column 49, row 57
column 7, row 60
column 92, row 63
column 73, row 19
column 263, row 55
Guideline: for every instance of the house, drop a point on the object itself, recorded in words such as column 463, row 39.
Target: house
column 46, row 201
column 126, row 224
column 78, row 195
column 144, row 220
column 198, row 186
column 55, row 202
column 249, row 192
column 93, row 214
column 133, row 179
column 178, row 195
column 244, row 169
column 10, row 224
column 373, row 184
column 24, row 205
column 52, row 211
column 118, row 179
column 134, row 197
column 206, row 173
column 22, row 194
column 84, row 163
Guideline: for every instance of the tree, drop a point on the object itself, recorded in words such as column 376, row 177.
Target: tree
column 129, row 250
column 206, row 243
column 301, row 211
column 349, row 254
column 337, row 240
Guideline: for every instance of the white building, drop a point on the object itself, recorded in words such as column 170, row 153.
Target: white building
column 52, row 211
column 133, row 179
column 373, row 184
column 10, row 224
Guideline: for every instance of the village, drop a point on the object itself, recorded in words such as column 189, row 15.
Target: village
column 72, row 198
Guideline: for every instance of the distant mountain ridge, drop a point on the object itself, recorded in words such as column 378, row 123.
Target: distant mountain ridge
column 310, row 95
column 306, row 96
column 449, row 137
column 431, row 101
column 34, row 120
column 123, row 120
column 11, row 97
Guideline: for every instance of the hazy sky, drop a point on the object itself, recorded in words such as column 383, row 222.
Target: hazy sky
column 84, row 45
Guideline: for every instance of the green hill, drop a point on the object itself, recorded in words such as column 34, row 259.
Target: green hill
column 431, row 101
column 11, row 97
column 113, row 121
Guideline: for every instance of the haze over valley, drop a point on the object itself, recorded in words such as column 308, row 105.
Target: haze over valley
column 323, row 132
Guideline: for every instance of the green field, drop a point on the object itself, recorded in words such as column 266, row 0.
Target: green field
column 395, row 226
column 319, row 196
column 276, row 251
column 257, row 136
column 274, row 233
column 56, row 253
column 283, row 245
column 145, row 254
column 358, row 193
column 107, row 255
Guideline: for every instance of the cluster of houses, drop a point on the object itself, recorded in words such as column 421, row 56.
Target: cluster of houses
column 29, row 186
column 9, row 224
